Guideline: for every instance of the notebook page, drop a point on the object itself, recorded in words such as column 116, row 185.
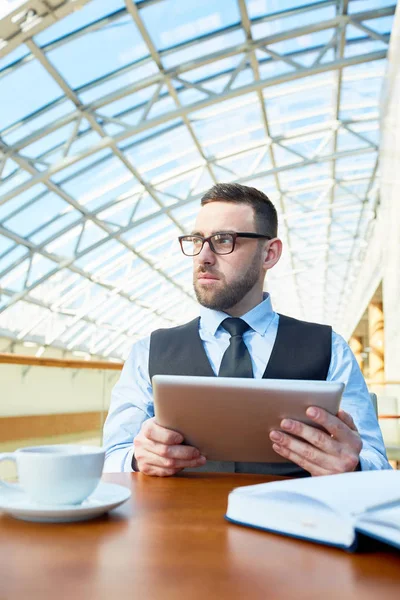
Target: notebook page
column 305, row 518
column 383, row 525
column 388, row 518
column 346, row 493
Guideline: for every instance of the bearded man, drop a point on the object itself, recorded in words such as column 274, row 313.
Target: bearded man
column 234, row 243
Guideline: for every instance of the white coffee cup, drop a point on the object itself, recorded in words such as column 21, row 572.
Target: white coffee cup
column 57, row 474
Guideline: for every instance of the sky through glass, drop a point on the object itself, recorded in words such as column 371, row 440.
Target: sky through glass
column 117, row 116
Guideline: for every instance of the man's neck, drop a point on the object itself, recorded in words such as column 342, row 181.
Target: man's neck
column 245, row 305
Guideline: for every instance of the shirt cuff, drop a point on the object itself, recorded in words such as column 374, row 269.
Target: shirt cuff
column 119, row 461
column 128, row 461
column 370, row 461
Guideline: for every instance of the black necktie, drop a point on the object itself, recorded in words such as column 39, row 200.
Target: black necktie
column 236, row 361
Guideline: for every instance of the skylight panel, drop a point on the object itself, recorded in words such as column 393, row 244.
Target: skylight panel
column 178, row 188
column 187, row 212
column 358, row 6
column 21, row 200
column 288, row 154
column 238, row 114
column 148, row 157
column 121, row 212
column 200, row 50
column 46, row 143
column 292, row 178
column 94, row 187
column 20, row 316
column 36, row 215
column 139, row 288
column 108, row 85
column 10, row 255
column 282, row 23
column 5, row 245
column 172, row 22
column 80, row 165
column 42, row 90
column 90, row 13
column 103, row 49
column 359, row 165
column 54, row 227
column 369, row 130
column 8, row 166
column 260, row 8
column 15, row 280
column 295, row 122
column 14, row 56
column 177, row 167
column 201, row 74
column 39, row 268
column 382, row 25
column 13, row 181
column 63, row 289
column 35, row 124
column 365, row 47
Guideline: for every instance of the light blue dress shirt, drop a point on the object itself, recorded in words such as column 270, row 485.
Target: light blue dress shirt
column 132, row 397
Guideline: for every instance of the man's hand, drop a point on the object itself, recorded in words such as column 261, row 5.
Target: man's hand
column 320, row 453
column 158, row 451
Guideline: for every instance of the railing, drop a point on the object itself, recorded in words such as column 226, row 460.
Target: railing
column 18, row 359
column 374, row 382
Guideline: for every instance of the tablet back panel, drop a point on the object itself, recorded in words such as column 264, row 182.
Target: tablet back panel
column 229, row 419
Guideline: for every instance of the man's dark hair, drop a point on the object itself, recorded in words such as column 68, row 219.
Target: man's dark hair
column 265, row 216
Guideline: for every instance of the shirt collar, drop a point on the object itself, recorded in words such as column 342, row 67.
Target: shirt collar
column 259, row 317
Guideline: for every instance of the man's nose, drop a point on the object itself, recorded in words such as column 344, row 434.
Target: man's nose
column 206, row 256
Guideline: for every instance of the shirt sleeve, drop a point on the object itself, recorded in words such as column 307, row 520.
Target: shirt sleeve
column 131, row 404
column 357, row 402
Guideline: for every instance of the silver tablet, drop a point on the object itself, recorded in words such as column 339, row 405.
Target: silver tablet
column 229, row 419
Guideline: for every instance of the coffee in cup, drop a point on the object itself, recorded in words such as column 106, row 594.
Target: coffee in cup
column 57, row 474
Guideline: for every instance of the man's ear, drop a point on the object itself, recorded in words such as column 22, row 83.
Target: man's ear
column 272, row 253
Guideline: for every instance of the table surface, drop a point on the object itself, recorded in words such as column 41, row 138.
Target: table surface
column 170, row 540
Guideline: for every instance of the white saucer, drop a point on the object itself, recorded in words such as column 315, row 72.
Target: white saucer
column 105, row 497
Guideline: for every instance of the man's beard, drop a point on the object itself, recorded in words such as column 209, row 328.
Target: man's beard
column 230, row 295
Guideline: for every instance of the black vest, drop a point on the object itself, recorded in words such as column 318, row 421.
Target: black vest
column 301, row 351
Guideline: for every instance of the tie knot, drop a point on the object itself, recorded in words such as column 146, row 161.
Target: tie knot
column 235, row 326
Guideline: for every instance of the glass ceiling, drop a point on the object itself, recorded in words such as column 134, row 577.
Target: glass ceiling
column 117, row 116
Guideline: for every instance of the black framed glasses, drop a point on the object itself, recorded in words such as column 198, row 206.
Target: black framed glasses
column 222, row 242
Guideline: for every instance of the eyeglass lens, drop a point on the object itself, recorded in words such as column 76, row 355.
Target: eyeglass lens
column 222, row 243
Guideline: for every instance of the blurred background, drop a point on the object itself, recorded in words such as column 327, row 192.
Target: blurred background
column 115, row 118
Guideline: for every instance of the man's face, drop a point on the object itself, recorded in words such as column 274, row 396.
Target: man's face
column 222, row 281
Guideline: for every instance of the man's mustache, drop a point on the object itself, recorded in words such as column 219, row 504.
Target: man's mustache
column 203, row 270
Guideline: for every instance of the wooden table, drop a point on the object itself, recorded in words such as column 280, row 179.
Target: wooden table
column 171, row 541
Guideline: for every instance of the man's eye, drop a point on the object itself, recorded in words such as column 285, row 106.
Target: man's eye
column 222, row 240
column 195, row 241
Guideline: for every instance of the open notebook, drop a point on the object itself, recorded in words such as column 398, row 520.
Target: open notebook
column 330, row 510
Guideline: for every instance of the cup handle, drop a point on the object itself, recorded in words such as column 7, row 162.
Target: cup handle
column 7, row 456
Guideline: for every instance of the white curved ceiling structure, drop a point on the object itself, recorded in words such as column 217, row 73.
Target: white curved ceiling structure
column 117, row 116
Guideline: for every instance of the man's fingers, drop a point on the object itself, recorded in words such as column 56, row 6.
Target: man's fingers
column 337, row 427
column 155, row 471
column 342, row 460
column 156, row 433
column 172, row 451
column 171, row 463
column 316, row 437
column 312, row 468
column 159, row 451
column 310, row 455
